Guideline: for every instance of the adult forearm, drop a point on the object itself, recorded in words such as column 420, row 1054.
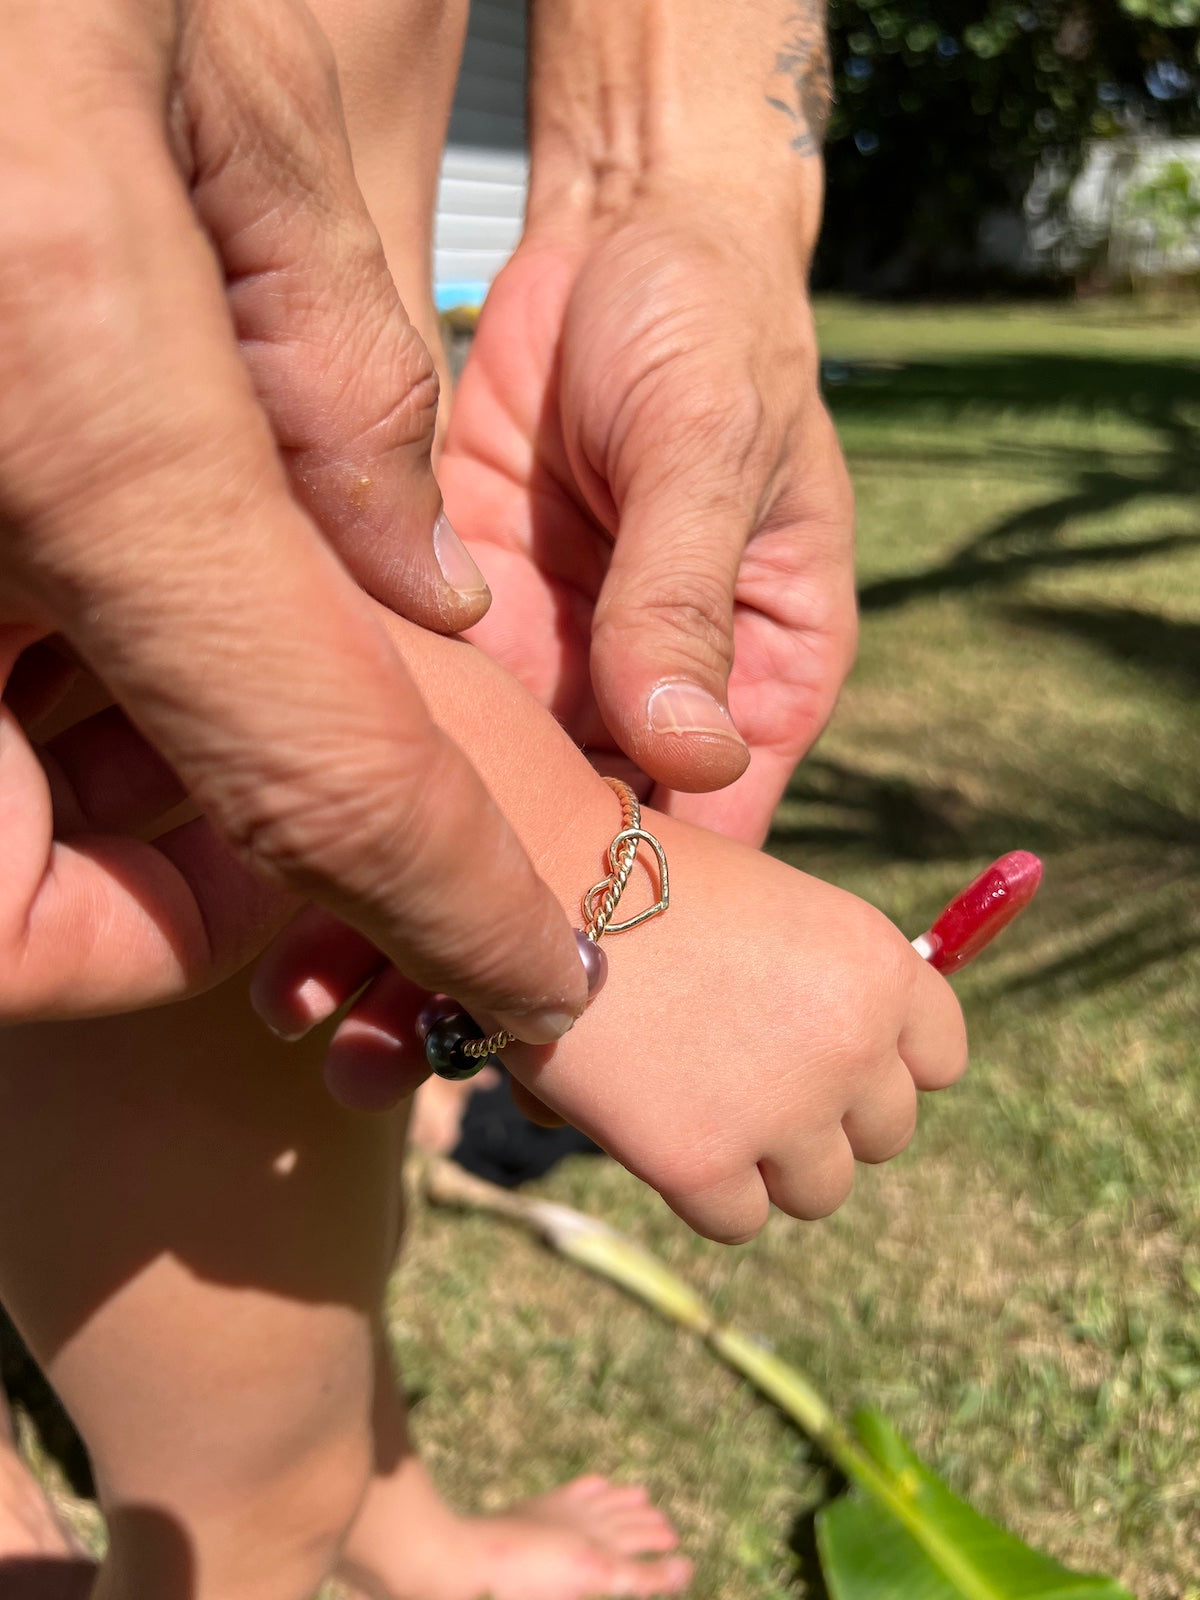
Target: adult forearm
column 637, row 95
column 215, row 417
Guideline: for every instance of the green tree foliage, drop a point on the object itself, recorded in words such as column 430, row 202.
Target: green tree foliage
column 1168, row 207
column 945, row 108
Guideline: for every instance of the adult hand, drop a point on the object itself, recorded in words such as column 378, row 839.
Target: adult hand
column 639, row 454
column 638, row 449
column 650, row 480
column 213, row 406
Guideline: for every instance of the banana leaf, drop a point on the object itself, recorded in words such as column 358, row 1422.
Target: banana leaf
column 921, row 1542
column 899, row 1533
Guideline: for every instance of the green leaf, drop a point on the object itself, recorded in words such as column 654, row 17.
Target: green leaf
column 902, row 1535
column 917, row 1541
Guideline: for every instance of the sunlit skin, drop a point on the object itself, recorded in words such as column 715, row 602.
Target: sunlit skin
column 699, row 510
column 606, row 362
column 222, row 1282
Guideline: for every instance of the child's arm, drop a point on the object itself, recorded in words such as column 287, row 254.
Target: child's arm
column 750, row 1042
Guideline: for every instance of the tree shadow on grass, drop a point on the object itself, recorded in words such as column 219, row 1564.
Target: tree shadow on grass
column 802, row 1538
column 1123, row 882
column 883, row 817
column 1123, row 892
column 1158, row 392
column 1163, row 646
column 1159, row 395
column 980, row 565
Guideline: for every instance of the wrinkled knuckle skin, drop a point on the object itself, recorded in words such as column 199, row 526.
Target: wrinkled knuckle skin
column 387, row 394
column 260, row 84
column 304, row 833
column 720, row 434
column 746, row 435
column 407, row 384
column 695, row 616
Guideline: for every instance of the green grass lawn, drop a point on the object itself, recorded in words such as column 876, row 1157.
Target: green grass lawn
column 1021, row 1290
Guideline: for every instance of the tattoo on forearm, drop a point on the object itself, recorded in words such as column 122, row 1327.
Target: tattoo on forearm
column 803, row 78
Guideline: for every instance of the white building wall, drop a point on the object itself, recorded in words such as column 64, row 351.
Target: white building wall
column 1099, row 226
column 481, row 194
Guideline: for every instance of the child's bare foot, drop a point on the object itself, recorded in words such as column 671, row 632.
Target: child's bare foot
column 588, row 1540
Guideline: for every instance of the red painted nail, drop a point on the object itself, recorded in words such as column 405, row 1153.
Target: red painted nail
column 977, row 913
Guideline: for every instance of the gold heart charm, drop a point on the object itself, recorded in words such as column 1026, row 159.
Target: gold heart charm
column 632, row 836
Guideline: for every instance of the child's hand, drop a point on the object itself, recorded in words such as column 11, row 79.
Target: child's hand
column 753, row 1042
column 747, row 1045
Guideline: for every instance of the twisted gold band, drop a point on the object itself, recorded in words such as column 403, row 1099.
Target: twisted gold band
column 601, row 900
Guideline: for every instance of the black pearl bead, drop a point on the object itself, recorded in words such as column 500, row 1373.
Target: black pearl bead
column 595, row 964
column 443, row 1046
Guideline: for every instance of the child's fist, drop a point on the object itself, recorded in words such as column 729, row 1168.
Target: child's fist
column 752, row 1043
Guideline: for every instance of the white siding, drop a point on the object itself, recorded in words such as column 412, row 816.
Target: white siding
column 1097, row 229
column 481, row 195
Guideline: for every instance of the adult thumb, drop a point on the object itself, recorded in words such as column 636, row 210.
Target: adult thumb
column 662, row 637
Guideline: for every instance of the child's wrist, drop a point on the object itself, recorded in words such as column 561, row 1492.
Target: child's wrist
column 560, row 808
column 457, row 1046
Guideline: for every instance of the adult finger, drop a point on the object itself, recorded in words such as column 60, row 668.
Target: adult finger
column 105, row 777
column 40, row 680
column 310, row 971
column 158, row 533
column 103, row 923
column 662, row 636
column 748, row 558
column 376, row 1058
column 348, row 384
column 795, row 631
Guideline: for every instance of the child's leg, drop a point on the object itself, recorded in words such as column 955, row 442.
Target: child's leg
column 193, row 1239
column 397, row 64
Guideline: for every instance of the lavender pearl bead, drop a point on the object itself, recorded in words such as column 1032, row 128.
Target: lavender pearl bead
column 433, row 1011
column 595, row 964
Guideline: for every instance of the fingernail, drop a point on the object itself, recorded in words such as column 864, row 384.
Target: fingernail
column 459, row 571
column 686, row 708
column 540, row 1027
column 291, row 1016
